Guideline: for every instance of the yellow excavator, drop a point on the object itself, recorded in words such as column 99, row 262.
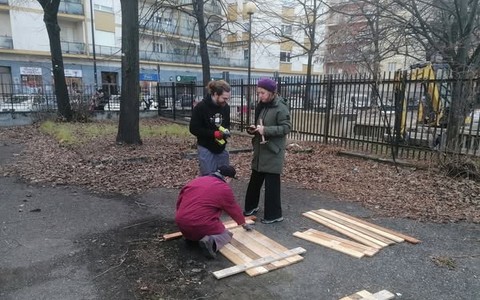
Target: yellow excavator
column 435, row 91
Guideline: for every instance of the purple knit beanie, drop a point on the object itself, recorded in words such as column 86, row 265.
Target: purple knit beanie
column 268, row 84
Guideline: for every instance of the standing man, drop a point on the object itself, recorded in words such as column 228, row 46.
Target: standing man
column 210, row 123
column 200, row 205
column 272, row 124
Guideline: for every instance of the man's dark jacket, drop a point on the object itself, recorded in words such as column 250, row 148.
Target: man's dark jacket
column 206, row 117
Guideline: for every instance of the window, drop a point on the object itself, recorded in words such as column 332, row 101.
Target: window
column 157, row 47
column 392, row 66
column 245, row 54
column 103, row 8
column 286, row 29
column 285, row 56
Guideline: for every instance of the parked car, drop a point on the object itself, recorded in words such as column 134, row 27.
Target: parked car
column 185, row 100
column 359, row 100
column 21, row 102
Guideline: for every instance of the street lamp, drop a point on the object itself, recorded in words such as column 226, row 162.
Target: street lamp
column 250, row 9
column 93, row 46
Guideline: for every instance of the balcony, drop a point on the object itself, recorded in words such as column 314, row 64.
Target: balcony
column 6, row 42
column 71, row 7
column 157, row 27
column 73, row 47
column 191, row 59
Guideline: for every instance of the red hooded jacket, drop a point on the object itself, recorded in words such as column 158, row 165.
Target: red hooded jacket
column 200, row 205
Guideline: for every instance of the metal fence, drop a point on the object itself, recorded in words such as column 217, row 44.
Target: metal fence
column 355, row 112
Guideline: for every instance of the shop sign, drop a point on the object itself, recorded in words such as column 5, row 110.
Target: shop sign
column 30, row 71
column 73, row 73
column 181, row 78
column 148, row 77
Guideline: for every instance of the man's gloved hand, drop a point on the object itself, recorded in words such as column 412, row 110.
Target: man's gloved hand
column 247, row 227
column 218, row 135
column 226, row 133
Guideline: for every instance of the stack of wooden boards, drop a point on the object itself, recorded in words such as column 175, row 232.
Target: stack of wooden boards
column 256, row 254
column 365, row 295
column 369, row 238
column 252, row 252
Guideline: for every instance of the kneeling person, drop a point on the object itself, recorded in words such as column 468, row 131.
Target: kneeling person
column 200, row 205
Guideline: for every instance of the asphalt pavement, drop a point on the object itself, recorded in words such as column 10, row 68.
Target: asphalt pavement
column 47, row 233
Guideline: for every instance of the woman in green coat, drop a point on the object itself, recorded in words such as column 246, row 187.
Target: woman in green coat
column 272, row 124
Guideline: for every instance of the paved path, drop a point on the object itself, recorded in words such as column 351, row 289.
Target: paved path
column 63, row 243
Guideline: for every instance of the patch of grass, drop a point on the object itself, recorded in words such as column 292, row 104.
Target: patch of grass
column 62, row 132
column 75, row 133
column 445, row 262
column 164, row 130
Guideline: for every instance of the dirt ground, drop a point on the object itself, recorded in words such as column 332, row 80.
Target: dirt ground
column 128, row 194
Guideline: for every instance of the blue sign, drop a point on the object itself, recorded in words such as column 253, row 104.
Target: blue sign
column 148, row 77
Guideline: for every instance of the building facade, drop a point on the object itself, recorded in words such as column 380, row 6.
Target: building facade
column 169, row 48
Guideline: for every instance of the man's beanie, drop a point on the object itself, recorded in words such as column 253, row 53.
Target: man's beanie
column 268, row 84
column 227, row 171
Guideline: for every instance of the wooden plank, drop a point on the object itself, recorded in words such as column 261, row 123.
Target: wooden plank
column 328, row 243
column 360, row 237
column 369, row 251
column 327, row 214
column 238, row 258
column 228, row 225
column 358, row 295
column 366, row 225
column 383, row 295
column 403, row 236
column 271, row 244
column 253, row 245
column 258, row 262
column 247, row 238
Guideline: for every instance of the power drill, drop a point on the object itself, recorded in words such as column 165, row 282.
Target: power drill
column 226, row 134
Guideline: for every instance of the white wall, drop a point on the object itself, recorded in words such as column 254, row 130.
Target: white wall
column 29, row 31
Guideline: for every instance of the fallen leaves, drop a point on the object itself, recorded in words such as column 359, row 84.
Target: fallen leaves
column 104, row 167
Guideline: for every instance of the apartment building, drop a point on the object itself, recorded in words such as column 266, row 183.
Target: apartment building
column 169, row 48
column 348, row 47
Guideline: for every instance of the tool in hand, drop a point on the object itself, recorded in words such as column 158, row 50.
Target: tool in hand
column 225, row 133
column 260, row 122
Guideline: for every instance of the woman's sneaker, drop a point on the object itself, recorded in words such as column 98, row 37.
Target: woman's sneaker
column 250, row 212
column 264, row 221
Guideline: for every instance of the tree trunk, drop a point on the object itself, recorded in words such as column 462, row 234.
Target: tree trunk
column 50, row 10
column 129, row 122
column 202, row 37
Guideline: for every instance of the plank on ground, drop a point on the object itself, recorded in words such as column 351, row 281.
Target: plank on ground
column 377, row 229
column 333, row 217
column 228, row 224
column 358, row 295
column 403, row 236
column 238, row 257
column 369, row 251
column 359, row 237
column 256, row 263
column 246, row 239
column 271, row 244
column 329, row 244
column 365, row 295
column 254, row 246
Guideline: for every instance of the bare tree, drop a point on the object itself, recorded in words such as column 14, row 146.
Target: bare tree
column 448, row 29
column 298, row 27
column 50, row 10
column 206, row 24
column 128, row 126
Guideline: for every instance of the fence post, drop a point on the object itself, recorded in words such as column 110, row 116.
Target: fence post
column 174, row 98
column 329, row 96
